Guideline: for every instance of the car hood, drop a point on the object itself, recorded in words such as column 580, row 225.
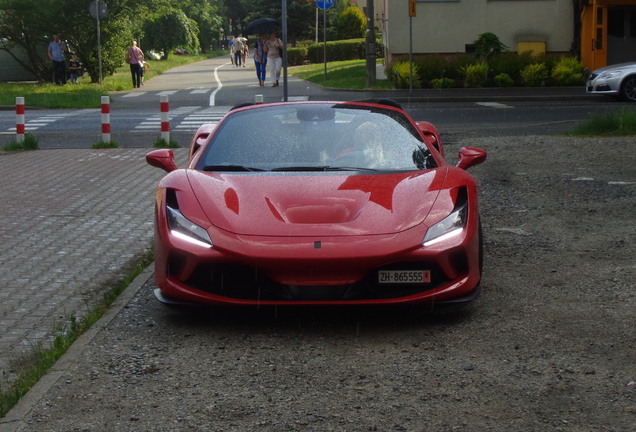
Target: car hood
column 618, row 66
column 322, row 204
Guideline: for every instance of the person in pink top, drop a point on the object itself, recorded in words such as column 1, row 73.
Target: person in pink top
column 135, row 57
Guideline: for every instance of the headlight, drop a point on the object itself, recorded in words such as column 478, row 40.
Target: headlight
column 609, row 74
column 450, row 226
column 185, row 229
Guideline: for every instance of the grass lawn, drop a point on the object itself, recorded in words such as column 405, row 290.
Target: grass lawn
column 622, row 123
column 85, row 94
column 344, row 75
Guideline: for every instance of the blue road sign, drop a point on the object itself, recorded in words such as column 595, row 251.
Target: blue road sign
column 324, row 4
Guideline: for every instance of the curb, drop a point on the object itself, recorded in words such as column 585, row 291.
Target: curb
column 14, row 419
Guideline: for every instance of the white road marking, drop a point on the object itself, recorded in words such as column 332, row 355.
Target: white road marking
column 494, row 105
column 220, row 84
column 134, row 94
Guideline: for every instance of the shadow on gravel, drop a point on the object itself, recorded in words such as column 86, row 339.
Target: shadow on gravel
column 319, row 320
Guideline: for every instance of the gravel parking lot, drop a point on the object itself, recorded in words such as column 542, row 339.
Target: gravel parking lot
column 549, row 345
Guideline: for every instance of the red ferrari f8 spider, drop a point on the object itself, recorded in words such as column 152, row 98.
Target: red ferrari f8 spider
column 327, row 203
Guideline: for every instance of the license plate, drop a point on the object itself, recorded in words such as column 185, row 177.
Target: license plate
column 404, row 276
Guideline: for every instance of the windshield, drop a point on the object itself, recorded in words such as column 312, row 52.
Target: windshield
column 316, row 137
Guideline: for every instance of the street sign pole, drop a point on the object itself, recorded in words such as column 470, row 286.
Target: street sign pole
column 412, row 13
column 97, row 10
column 370, row 50
column 284, row 9
column 324, row 5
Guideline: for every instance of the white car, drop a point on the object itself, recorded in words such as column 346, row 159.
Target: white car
column 617, row 80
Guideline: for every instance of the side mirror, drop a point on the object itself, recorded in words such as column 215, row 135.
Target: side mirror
column 163, row 159
column 470, row 156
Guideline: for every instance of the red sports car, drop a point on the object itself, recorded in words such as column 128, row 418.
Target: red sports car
column 327, row 203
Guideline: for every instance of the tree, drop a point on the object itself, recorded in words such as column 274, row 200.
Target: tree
column 170, row 30
column 206, row 14
column 351, row 23
column 28, row 25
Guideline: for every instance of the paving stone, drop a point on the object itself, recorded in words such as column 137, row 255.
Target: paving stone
column 72, row 219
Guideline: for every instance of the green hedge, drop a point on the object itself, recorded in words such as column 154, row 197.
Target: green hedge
column 518, row 69
column 343, row 50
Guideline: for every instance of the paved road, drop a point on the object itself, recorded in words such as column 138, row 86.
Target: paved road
column 205, row 91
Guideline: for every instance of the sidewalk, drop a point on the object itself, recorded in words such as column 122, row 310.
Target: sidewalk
column 72, row 220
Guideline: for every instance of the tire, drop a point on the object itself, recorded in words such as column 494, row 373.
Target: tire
column 628, row 89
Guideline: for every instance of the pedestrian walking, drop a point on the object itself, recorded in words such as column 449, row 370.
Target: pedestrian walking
column 246, row 51
column 135, row 58
column 274, row 57
column 56, row 51
column 260, row 58
column 238, row 52
column 230, row 44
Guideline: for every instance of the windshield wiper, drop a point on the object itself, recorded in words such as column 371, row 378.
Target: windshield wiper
column 230, row 168
column 321, row 168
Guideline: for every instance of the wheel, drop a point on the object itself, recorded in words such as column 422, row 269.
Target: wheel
column 628, row 89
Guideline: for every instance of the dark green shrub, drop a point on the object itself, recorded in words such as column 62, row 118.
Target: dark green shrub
column 534, row 75
column 475, row 75
column 431, row 67
column 441, row 83
column 504, row 80
column 296, row 56
column 487, row 45
column 401, row 75
column 352, row 49
column 567, row 71
column 510, row 64
column 456, row 64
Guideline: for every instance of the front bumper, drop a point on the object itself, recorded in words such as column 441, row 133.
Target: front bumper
column 602, row 86
column 343, row 271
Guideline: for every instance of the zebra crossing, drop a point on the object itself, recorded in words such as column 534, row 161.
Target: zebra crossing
column 183, row 119
column 194, row 117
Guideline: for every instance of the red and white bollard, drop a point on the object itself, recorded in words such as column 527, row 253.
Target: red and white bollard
column 165, row 118
column 105, row 119
column 19, row 119
column 258, row 99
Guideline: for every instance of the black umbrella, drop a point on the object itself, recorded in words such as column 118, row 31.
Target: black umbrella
column 261, row 25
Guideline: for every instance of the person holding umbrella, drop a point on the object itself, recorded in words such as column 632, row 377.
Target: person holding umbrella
column 274, row 57
column 260, row 58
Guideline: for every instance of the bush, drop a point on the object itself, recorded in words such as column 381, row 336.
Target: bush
column 343, row 50
column 567, row 71
column 441, row 83
column 431, row 67
column 487, row 45
column 296, row 56
column 534, row 75
column 475, row 75
column 504, row 80
column 510, row 64
column 456, row 64
column 400, row 75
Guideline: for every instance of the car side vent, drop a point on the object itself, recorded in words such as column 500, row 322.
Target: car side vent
column 171, row 199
